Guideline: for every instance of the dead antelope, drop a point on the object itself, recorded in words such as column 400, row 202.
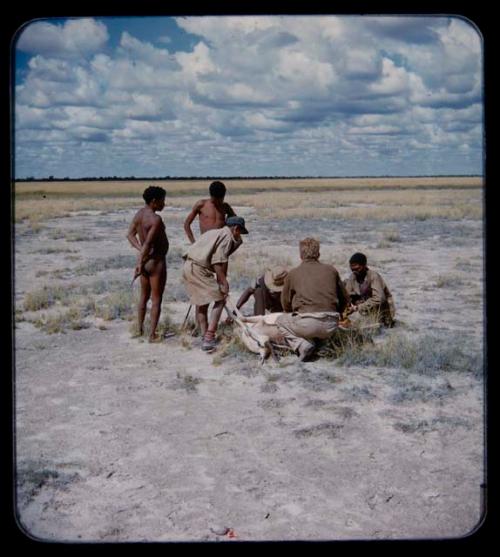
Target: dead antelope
column 257, row 332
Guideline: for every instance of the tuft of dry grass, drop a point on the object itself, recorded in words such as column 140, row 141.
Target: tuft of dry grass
column 344, row 341
column 165, row 326
column 45, row 297
column 115, row 305
column 73, row 318
column 104, row 299
column 448, row 281
column 427, row 355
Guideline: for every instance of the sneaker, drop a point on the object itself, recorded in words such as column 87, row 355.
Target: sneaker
column 209, row 344
column 305, row 350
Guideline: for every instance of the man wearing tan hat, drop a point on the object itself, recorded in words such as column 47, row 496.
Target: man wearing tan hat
column 266, row 291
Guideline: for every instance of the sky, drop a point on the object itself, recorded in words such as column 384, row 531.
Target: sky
column 248, row 96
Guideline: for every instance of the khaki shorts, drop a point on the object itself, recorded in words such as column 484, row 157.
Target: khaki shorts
column 201, row 284
column 309, row 325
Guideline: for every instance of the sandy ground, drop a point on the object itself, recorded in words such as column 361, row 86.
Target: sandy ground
column 121, row 440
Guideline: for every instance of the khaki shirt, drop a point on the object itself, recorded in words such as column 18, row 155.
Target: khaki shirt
column 377, row 295
column 214, row 246
column 313, row 287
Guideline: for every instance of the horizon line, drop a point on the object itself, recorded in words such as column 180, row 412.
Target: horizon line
column 219, row 177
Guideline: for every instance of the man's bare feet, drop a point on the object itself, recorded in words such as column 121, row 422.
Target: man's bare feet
column 155, row 339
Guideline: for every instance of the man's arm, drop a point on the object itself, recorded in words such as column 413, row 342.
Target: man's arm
column 132, row 235
column 377, row 297
column 342, row 295
column 244, row 297
column 221, row 278
column 195, row 211
column 286, row 295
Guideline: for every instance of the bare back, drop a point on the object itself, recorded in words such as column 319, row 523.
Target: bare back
column 144, row 220
column 213, row 214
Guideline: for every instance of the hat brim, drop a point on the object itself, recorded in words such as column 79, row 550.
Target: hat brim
column 243, row 230
column 268, row 281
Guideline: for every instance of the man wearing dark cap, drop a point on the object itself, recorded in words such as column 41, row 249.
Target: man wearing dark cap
column 368, row 292
column 314, row 296
column 205, row 274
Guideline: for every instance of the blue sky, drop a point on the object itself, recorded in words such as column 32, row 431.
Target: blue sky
column 248, row 96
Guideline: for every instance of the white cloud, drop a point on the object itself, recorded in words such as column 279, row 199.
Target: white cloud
column 75, row 37
column 197, row 63
column 146, row 53
column 393, row 81
column 304, row 73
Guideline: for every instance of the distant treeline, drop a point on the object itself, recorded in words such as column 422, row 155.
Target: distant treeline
column 211, row 178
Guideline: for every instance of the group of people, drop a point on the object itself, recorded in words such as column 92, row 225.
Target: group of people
column 312, row 297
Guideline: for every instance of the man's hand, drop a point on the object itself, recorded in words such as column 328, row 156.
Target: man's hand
column 351, row 309
column 224, row 287
column 139, row 268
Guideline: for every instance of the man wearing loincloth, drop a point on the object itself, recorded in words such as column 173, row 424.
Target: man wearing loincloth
column 204, row 274
column 147, row 234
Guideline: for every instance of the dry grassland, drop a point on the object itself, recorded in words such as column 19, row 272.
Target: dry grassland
column 353, row 198
column 134, row 187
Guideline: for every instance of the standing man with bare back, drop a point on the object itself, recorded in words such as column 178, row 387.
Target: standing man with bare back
column 212, row 212
column 147, row 235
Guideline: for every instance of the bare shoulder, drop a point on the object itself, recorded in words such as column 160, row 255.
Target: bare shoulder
column 156, row 219
column 138, row 216
column 200, row 204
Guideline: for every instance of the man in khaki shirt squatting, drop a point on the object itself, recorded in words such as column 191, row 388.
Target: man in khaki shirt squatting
column 204, row 274
column 368, row 292
column 315, row 295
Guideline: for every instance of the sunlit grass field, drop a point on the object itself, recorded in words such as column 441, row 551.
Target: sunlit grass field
column 351, row 198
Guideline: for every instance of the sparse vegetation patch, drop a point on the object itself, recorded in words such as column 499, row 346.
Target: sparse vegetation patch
column 426, row 355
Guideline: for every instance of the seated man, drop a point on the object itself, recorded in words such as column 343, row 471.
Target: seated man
column 368, row 292
column 204, row 274
column 316, row 296
column 266, row 291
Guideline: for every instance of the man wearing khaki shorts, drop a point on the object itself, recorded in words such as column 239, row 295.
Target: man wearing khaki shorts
column 204, row 274
column 314, row 296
